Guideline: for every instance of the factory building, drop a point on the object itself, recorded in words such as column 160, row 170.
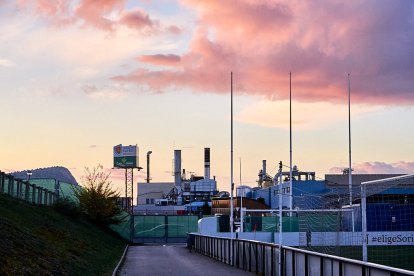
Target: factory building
column 391, row 206
column 183, row 191
column 149, row 192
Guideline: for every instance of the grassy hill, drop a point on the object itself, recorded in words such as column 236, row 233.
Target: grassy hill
column 40, row 241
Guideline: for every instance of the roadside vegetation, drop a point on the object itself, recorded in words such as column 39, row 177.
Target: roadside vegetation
column 97, row 199
column 67, row 239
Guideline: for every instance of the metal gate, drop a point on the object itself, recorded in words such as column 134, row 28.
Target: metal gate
column 163, row 228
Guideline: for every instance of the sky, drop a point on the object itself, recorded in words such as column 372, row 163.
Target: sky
column 79, row 77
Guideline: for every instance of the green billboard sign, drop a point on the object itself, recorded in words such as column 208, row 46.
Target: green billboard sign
column 125, row 156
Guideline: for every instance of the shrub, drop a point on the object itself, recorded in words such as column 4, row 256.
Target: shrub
column 96, row 198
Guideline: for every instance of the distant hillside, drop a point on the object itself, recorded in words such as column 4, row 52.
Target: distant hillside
column 58, row 173
column 40, row 241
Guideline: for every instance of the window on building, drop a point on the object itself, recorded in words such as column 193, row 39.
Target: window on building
column 147, row 201
column 152, row 201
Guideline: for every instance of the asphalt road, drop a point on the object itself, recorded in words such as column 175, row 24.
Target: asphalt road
column 172, row 260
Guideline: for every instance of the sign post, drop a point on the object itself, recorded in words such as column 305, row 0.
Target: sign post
column 126, row 157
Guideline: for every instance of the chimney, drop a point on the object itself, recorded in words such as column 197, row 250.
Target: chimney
column 206, row 163
column 148, row 166
column 177, row 168
column 264, row 170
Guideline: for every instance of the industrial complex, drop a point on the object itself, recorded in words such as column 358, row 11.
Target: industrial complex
column 187, row 194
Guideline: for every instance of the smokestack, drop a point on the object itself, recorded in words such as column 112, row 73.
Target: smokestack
column 148, row 166
column 264, row 169
column 206, row 163
column 177, row 168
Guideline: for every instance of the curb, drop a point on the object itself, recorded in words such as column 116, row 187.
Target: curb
column 120, row 261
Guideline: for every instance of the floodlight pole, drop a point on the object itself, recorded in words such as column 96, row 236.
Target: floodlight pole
column 231, row 169
column 290, row 138
column 349, row 148
column 29, row 174
column 129, row 178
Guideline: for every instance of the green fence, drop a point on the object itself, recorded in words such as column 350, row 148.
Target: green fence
column 163, row 229
column 63, row 189
column 27, row 191
column 123, row 228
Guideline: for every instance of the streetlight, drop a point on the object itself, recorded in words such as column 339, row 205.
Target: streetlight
column 29, row 174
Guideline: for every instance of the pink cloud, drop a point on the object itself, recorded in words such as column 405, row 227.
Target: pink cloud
column 174, row 30
column 319, row 41
column 165, row 60
column 191, row 71
column 137, row 19
column 93, row 12
column 58, row 12
column 101, row 14
column 377, row 167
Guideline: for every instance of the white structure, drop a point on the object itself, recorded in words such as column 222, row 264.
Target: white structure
column 149, row 192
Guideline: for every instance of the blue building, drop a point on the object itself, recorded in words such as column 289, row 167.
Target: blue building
column 389, row 209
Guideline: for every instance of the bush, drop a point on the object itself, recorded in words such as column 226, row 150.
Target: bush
column 96, row 198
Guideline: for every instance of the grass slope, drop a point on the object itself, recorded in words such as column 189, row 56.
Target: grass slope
column 40, row 241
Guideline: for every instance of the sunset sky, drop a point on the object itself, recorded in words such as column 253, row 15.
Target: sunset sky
column 78, row 77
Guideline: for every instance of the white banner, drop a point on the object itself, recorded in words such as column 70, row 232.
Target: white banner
column 121, row 151
column 390, row 238
column 355, row 238
column 129, row 150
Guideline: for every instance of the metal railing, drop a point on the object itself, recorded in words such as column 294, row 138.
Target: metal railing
column 262, row 258
column 25, row 191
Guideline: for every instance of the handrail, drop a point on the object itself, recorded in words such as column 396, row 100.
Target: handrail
column 258, row 252
column 357, row 262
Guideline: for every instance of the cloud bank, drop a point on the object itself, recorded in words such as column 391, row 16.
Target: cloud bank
column 320, row 42
column 106, row 15
column 378, row 167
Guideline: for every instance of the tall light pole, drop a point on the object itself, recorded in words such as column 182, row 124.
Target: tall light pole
column 29, row 174
column 231, row 168
column 349, row 149
column 290, row 142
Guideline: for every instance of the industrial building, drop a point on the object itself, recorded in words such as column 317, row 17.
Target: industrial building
column 184, row 191
column 149, row 192
column 310, row 193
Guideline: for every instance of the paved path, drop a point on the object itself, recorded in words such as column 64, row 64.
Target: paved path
column 172, row 260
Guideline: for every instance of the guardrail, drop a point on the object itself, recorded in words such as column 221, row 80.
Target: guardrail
column 263, row 258
column 25, row 191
